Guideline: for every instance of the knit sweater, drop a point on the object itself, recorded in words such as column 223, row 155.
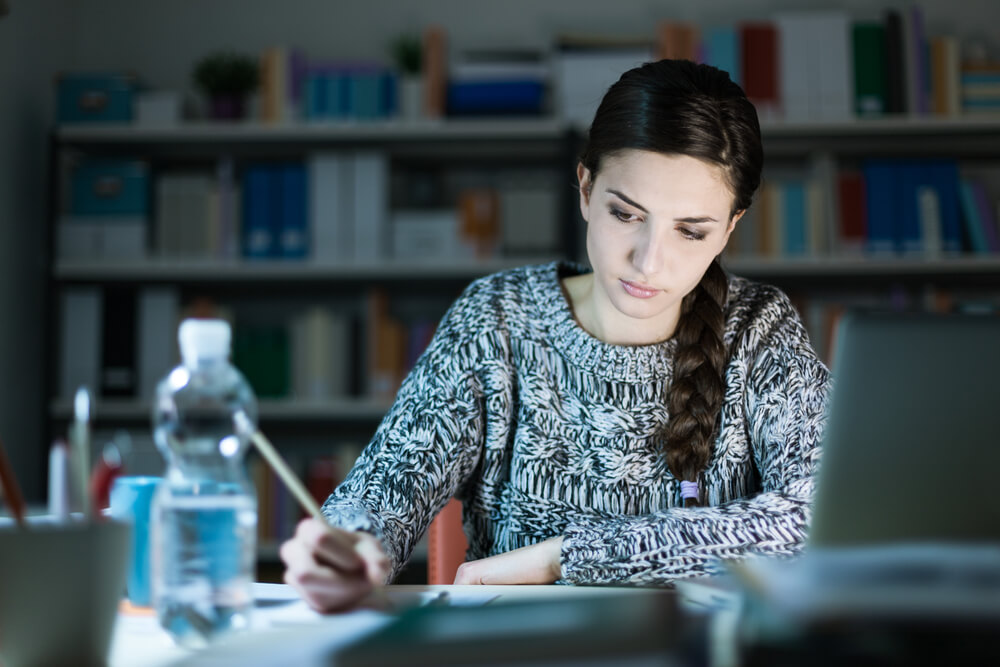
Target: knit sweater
column 542, row 430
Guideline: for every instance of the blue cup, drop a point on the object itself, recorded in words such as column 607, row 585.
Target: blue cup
column 131, row 500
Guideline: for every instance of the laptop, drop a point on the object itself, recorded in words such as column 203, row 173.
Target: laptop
column 911, row 451
column 911, row 455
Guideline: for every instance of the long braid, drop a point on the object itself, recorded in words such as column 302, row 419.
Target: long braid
column 696, row 393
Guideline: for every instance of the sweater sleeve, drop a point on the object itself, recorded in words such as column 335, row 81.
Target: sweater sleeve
column 425, row 448
column 785, row 402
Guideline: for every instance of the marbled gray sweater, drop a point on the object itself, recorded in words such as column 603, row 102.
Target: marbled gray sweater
column 543, row 430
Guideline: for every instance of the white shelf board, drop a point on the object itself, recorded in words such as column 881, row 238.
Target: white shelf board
column 288, row 410
column 492, row 129
column 864, row 265
column 215, row 270
column 372, row 131
column 886, row 125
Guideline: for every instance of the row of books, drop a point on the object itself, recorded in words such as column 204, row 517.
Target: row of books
column 331, row 208
column 295, row 88
column 915, row 207
column 797, row 64
column 121, row 340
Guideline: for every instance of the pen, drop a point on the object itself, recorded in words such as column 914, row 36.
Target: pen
column 58, row 480
column 10, row 488
column 80, row 453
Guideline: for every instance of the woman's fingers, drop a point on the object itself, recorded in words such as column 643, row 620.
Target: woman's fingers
column 333, row 569
column 376, row 563
column 330, row 546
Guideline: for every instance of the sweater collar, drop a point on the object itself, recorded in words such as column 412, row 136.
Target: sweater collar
column 629, row 363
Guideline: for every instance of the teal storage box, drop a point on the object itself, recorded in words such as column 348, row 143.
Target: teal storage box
column 110, row 187
column 95, row 97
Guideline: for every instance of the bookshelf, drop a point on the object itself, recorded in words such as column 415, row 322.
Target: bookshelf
column 272, row 291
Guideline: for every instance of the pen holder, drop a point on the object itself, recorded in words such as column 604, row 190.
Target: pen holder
column 62, row 583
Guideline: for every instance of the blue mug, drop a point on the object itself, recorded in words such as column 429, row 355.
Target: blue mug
column 131, row 500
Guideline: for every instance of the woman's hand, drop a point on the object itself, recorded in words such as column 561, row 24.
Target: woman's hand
column 332, row 569
column 535, row 564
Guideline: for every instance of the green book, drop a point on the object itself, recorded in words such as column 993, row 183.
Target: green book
column 870, row 89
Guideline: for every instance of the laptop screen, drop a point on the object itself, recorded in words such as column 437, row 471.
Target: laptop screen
column 911, row 450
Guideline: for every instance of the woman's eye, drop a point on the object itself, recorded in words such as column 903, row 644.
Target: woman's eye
column 622, row 215
column 691, row 234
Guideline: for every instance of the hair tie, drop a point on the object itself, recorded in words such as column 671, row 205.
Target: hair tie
column 689, row 490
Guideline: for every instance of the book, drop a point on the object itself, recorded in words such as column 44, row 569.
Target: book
column 370, row 205
column 987, row 216
column 677, row 40
column 261, row 212
column 320, row 347
column 882, row 198
column 158, row 310
column 869, row 58
column 981, row 241
column 118, row 342
column 915, row 60
column 721, row 48
column 795, row 239
column 759, row 50
column 853, row 218
column 80, row 340
column 944, row 66
column 331, row 207
column 434, row 66
column 895, row 59
column 583, row 73
column 293, row 237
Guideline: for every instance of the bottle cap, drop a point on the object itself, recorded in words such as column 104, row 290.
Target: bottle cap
column 203, row 339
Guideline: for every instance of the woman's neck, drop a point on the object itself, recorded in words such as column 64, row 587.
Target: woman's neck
column 598, row 317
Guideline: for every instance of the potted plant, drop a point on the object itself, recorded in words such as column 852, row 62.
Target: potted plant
column 406, row 53
column 227, row 79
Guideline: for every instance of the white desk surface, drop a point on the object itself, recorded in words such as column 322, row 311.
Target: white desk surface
column 284, row 628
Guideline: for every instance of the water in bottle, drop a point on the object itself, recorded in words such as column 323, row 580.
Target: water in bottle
column 204, row 516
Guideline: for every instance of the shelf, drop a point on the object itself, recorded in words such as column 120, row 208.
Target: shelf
column 392, row 130
column 232, row 271
column 285, row 410
column 861, row 266
column 493, row 129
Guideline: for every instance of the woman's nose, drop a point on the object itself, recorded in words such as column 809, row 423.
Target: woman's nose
column 649, row 252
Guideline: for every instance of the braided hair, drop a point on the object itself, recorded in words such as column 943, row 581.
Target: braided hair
column 677, row 107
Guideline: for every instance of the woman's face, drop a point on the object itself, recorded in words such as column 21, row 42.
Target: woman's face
column 654, row 224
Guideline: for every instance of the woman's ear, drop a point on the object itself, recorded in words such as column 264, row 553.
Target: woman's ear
column 583, row 177
column 732, row 224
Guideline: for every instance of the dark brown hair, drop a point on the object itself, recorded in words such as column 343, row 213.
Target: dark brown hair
column 678, row 107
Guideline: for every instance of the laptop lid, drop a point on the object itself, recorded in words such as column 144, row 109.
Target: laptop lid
column 911, row 450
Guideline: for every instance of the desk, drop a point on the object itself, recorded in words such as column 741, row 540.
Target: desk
column 286, row 632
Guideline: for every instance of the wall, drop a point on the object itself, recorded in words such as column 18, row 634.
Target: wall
column 25, row 113
column 161, row 41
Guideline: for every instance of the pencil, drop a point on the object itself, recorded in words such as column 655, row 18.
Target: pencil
column 10, row 488
column 273, row 458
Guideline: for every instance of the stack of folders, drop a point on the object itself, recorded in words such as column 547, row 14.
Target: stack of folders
column 905, row 603
column 612, row 629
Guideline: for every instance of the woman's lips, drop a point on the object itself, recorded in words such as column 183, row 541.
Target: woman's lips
column 638, row 291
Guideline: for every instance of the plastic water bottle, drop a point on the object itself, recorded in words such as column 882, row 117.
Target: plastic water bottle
column 204, row 514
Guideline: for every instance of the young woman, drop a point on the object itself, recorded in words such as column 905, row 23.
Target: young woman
column 634, row 422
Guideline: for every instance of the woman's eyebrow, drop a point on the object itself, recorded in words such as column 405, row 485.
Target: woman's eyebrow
column 627, row 200
column 694, row 219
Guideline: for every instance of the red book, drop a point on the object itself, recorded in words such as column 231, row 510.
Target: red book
column 760, row 64
column 853, row 215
